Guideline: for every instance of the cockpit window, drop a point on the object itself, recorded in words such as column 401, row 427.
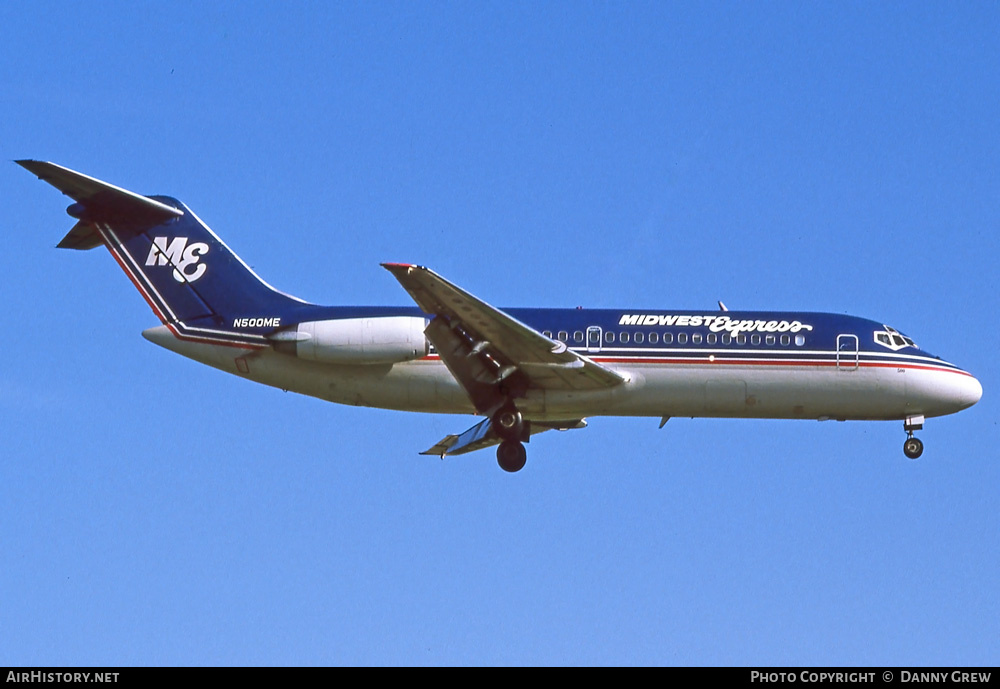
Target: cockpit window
column 893, row 339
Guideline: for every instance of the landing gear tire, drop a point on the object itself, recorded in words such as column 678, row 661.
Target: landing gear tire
column 511, row 456
column 508, row 424
column 913, row 447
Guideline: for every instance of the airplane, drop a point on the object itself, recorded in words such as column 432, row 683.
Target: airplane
column 524, row 370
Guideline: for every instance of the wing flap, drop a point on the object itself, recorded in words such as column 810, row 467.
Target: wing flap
column 471, row 370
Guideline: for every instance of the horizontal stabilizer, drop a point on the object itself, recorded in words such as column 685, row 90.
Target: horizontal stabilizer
column 98, row 201
column 84, row 235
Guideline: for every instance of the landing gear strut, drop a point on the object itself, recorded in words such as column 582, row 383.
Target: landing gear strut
column 507, row 424
column 912, row 447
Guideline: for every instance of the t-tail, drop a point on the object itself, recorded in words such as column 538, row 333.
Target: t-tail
column 193, row 282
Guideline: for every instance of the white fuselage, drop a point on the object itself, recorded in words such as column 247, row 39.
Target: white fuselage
column 708, row 388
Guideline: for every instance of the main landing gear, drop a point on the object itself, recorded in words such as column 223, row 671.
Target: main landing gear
column 507, row 424
column 912, row 447
column 511, row 456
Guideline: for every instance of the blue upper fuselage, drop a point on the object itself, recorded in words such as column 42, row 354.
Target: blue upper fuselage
column 648, row 331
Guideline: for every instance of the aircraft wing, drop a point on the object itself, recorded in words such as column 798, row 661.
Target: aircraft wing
column 482, row 346
column 482, row 435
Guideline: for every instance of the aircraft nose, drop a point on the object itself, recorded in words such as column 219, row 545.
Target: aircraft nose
column 943, row 392
column 967, row 391
column 959, row 392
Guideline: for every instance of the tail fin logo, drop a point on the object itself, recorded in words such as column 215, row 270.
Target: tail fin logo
column 182, row 256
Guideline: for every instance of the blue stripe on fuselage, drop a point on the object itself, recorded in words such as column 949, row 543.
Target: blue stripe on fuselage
column 820, row 342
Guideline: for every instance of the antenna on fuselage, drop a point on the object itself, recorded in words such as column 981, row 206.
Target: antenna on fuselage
column 722, row 307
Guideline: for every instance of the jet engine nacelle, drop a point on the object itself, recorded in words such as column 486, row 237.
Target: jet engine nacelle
column 385, row 340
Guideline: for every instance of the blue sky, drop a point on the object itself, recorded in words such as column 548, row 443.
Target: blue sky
column 798, row 156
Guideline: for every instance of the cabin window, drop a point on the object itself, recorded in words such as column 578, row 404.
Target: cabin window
column 741, row 339
column 682, row 338
column 668, row 338
column 624, row 338
column 547, row 333
column 755, row 339
column 609, row 337
column 726, row 339
column 563, row 336
column 578, row 336
column 653, row 338
column 638, row 338
column 770, row 339
column 696, row 338
column 786, row 340
column 711, row 338
column 800, row 340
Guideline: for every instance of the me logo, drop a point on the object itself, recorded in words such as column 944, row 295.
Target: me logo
column 183, row 257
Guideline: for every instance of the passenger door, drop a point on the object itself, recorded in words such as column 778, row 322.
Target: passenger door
column 594, row 335
column 847, row 352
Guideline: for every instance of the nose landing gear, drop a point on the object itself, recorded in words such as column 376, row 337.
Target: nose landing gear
column 912, row 447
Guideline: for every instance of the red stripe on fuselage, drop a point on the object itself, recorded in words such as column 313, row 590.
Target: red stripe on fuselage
column 757, row 362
